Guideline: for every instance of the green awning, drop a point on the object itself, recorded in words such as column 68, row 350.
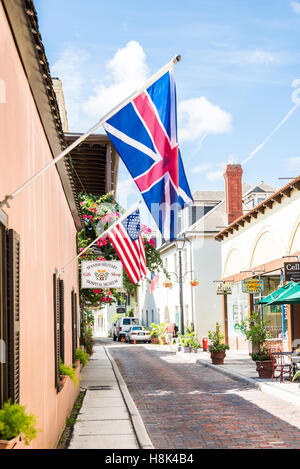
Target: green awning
column 291, row 296
column 270, row 298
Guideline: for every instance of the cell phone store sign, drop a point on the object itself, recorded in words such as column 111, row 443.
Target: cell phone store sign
column 101, row 274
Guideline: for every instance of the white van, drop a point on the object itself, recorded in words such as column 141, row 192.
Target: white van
column 122, row 325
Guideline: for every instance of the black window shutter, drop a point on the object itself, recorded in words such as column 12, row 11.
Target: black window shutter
column 56, row 300
column 13, row 314
column 74, row 325
column 3, row 319
column 62, row 320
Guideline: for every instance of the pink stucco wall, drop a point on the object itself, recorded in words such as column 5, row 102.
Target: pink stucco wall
column 42, row 218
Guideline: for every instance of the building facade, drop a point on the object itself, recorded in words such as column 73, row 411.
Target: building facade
column 201, row 260
column 38, row 312
column 257, row 245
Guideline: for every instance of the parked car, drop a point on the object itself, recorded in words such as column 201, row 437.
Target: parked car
column 122, row 325
column 139, row 333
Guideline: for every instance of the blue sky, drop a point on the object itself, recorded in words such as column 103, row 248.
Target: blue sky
column 234, row 83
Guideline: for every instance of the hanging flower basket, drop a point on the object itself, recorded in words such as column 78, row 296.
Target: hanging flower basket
column 168, row 284
column 194, row 282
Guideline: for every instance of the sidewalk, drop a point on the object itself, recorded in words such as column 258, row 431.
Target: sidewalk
column 108, row 418
column 239, row 366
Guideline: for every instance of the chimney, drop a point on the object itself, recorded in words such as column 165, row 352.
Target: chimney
column 233, row 191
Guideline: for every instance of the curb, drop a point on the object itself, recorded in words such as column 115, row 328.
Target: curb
column 138, row 424
column 263, row 387
column 230, row 374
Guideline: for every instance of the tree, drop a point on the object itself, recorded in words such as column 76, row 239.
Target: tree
column 98, row 214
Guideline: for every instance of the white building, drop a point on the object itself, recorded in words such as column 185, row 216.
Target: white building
column 257, row 244
column 201, row 260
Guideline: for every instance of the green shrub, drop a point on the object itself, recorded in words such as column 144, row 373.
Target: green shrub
column 82, row 356
column 14, row 420
column 66, row 370
column 217, row 340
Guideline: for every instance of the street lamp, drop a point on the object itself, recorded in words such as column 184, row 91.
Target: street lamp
column 180, row 242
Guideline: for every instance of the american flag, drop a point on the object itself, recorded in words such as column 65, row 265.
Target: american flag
column 154, row 280
column 126, row 237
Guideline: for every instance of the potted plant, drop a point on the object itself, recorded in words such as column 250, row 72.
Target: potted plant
column 15, row 424
column 195, row 345
column 81, row 357
column 156, row 332
column 194, row 282
column 66, row 371
column 186, row 344
column 255, row 330
column 168, row 284
column 217, row 346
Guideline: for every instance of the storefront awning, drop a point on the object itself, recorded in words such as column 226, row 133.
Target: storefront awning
column 273, row 296
column 291, row 296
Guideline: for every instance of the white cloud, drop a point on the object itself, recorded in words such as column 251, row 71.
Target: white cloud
column 197, row 116
column 69, row 69
column 201, row 168
column 294, row 163
column 295, row 7
column 87, row 99
column 218, row 171
column 125, row 73
column 259, row 57
column 125, row 189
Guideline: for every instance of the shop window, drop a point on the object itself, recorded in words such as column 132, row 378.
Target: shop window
column 274, row 315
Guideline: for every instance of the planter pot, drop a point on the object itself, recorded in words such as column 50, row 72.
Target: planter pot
column 194, row 350
column 154, row 340
column 63, row 379
column 217, row 358
column 186, row 349
column 10, row 444
column 264, row 369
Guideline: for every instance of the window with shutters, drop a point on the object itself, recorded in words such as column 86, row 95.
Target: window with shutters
column 74, row 325
column 13, row 314
column 61, row 321
column 3, row 319
column 57, row 325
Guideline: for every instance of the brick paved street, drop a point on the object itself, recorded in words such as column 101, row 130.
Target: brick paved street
column 185, row 405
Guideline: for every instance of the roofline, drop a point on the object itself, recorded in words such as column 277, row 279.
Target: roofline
column 22, row 19
column 275, row 197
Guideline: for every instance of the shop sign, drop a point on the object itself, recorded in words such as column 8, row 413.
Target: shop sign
column 292, row 271
column 252, row 285
column 101, row 274
column 224, row 289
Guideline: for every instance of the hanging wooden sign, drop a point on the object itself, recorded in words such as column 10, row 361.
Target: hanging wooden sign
column 252, row 285
column 224, row 289
column 101, row 274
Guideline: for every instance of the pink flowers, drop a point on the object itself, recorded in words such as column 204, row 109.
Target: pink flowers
column 88, row 217
column 151, row 242
column 102, row 242
column 146, row 229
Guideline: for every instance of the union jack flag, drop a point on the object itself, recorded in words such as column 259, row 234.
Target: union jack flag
column 144, row 133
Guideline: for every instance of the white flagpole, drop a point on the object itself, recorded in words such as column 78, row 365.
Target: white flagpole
column 107, row 116
column 102, row 235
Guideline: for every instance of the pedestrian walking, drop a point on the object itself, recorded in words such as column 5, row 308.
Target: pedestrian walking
column 169, row 331
column 175, row 330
